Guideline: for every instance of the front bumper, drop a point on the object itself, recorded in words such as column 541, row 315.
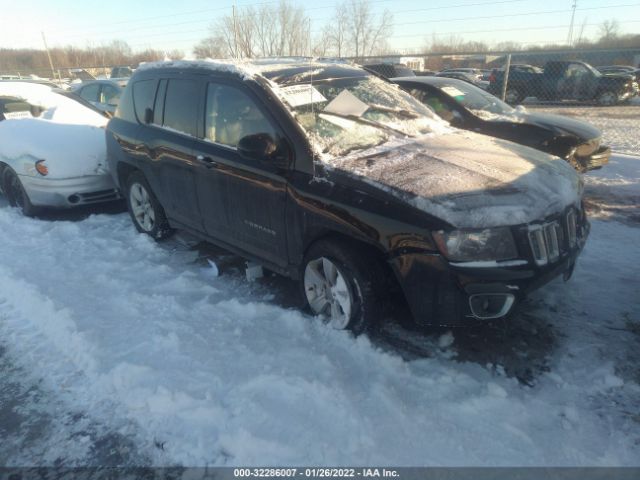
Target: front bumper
column 595, row 160
column 69, row 192
column 440, row 292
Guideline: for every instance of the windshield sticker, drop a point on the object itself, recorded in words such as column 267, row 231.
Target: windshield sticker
column 452, row 92
column 16, row 115
column 297, row 95
column 346, row 104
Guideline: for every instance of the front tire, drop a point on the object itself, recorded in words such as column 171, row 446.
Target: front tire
column 513, row 96
column 342, row 285
column 607, row 99
column 146, row 212
column 16, row 194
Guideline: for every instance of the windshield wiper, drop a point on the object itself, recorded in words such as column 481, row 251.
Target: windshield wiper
column 371, row 123
column 398, row 111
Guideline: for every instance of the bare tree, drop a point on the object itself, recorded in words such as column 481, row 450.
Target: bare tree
column 367, row 35
column 270, row 30
column 609, row 30
column 210, row 47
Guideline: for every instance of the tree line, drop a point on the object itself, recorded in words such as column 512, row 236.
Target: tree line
column 355, row 31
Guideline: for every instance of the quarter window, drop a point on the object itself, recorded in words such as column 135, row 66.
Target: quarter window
column 144, row 93
column 230, row 115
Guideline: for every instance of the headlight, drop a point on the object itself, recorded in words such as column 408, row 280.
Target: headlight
column 477, row 245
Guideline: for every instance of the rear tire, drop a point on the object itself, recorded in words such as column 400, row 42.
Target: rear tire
column 15, row 193
column 339, row 282
column 146, row 212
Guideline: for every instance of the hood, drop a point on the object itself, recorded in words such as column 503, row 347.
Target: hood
column 617, row 77
column 582, row 130
column 469, row 180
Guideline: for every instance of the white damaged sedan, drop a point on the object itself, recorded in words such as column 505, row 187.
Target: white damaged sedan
column 52, row 149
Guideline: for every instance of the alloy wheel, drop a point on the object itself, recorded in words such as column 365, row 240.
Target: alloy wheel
column 327, row 292
column 142, row 207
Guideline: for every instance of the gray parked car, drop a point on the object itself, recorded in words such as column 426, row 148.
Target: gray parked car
column 103, row 94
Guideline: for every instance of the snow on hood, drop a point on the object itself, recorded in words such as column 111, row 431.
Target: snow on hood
column 469, row 180
column 69, row 136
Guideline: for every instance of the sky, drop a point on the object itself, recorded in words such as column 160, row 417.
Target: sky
column 180, row 25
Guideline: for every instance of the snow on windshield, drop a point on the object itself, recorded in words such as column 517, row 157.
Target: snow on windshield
column 337, row 126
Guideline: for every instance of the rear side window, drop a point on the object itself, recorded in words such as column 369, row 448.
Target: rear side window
column 90, row 92
column 181, row 105
column 144, row 93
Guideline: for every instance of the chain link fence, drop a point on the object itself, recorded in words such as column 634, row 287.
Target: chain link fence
column 596, row 86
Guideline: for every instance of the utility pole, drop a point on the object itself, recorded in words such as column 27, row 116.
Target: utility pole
column 53, row 71
column 573, row 15
column 235, row 31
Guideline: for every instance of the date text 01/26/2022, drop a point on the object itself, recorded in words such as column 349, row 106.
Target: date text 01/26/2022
column 315, row 472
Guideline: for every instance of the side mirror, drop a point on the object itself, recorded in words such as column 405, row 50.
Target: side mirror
column 148, row 116
column 261, row 147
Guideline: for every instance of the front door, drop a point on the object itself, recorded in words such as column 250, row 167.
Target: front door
column 242, row 202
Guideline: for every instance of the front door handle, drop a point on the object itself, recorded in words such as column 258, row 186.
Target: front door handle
column 208, row 161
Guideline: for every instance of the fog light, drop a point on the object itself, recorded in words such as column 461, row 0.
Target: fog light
column 486, row 306
column 73, row 198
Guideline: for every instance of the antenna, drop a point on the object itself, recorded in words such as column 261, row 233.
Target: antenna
column 313, row 113
column 573, row 15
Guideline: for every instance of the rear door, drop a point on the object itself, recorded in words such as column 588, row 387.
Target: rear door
column 242, row 202
column 169, row 140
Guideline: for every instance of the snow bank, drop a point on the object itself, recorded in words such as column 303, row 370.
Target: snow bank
column 120, row 329
column 469, row 180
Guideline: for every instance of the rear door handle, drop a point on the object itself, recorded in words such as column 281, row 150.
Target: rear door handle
column 208, row 161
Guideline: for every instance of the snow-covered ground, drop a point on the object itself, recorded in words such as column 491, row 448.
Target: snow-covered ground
column 119, row 348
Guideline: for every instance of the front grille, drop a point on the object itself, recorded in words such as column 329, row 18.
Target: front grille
column 549, row 241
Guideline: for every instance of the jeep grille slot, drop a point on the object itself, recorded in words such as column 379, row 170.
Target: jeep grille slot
column 548, row 240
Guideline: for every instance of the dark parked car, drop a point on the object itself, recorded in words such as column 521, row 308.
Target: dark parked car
column 468, row 107
column 568, row 80
column 620, row 69
column 335, row 177
column 465, row 77
column 389, row 70
column 102, row 94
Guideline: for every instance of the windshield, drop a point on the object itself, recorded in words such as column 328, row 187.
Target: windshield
column 475, row 99
column 342, row 115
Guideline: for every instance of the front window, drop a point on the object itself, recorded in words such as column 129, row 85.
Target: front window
column 342, row 115
column 476, row 99
column 231, row 115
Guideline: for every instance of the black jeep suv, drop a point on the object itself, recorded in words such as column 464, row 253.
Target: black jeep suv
column 330, row 175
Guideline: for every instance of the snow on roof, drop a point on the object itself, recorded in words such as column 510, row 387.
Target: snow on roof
column 245, row 68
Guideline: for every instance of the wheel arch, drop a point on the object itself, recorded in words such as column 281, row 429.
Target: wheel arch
column 376, row 252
